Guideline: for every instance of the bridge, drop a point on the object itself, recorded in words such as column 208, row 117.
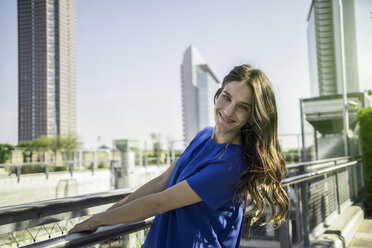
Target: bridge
column 325, row 212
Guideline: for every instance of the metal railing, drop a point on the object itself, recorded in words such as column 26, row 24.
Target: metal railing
column 102, row 234
column 71, row 164
column 317, row 197
column 48, row 219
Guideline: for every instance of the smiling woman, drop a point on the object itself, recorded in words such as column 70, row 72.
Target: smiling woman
column 200, row 200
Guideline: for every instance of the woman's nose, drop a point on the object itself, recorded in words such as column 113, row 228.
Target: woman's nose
column 229, row 110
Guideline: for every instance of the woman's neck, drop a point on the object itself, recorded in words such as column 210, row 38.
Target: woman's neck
column 226, row 137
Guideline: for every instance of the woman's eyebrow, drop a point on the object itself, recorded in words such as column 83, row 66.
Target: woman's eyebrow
column 245, row 103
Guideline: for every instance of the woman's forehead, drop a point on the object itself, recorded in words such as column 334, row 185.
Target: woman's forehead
column 240, row 91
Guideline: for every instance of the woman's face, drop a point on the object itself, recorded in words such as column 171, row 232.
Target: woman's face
column 233, row 107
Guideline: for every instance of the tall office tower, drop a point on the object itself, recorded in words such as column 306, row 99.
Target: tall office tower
column 47, row 68
column 199, row 84
column 324, row 46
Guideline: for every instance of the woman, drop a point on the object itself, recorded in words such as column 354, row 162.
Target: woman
column 200, row 200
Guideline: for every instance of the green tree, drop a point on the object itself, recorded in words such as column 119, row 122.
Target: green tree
column 365, row 136
column 27, row 148
column 43, row 143
column 69, row 142
column 5, row 152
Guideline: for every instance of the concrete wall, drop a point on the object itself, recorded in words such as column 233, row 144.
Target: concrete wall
column 35, row 187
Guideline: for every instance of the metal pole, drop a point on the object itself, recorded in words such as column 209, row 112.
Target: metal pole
column 298, row 147
column 316, row 145
column 344, row 89
column 305, row 210
column 302, row 132
column 337, row 193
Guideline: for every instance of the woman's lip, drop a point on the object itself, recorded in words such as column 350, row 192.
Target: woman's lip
column 226, row 120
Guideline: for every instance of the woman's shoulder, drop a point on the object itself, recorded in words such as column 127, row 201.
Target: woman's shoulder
column 203, row 134
column 208, row 130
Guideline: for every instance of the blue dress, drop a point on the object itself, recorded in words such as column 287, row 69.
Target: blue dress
column 211, row 169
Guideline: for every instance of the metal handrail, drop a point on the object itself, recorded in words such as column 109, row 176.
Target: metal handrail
column 75, row 206
column 18, row 166
column 316, row 162
column 102, row 234
column 51, row 163
column 312, row 175
column 20, row 217
column 34, row 211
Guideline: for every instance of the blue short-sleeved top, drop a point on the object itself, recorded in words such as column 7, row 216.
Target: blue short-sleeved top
column 211, row 170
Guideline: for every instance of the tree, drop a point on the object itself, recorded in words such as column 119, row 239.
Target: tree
column 5, row 152
column 365, row 135
column 68, row 142
column 27, row 147
column 43, row 143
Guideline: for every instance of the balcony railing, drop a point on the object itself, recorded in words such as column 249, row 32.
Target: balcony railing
column 319, row 192
column 71, row 164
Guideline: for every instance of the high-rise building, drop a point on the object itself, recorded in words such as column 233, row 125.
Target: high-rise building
column 199, row 84
column 331, row 23
column 46, row 68
column 324, row 46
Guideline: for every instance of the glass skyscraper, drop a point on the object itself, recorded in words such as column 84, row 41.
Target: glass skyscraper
column 199, row 84
column 47, row 68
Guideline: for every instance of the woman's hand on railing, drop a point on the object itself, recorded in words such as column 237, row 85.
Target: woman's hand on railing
column 85, row 226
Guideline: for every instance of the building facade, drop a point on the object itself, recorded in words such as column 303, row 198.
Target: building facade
column 324, row 47
column 46, row 68
column 199, row 84
column 335, row 131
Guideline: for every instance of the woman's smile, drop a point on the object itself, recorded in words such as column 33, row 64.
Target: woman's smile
column 226, row 119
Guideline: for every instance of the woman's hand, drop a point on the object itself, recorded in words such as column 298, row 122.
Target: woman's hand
column 87, row 225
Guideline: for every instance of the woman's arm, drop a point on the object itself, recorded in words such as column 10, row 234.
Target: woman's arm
column 177, row 196
column 155, row 185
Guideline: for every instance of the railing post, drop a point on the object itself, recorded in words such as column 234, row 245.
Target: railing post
column 112, row 175
column 355, row 181
column 18, row 172
column 46, row 170
column 92, row 167
column 298, row 238
column 337, row 194
column 111, row 165
column 284, row 235
column 71, row 168
column 158, row 158
column 305, row 211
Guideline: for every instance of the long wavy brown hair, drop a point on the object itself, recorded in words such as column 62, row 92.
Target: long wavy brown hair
column 260, row 188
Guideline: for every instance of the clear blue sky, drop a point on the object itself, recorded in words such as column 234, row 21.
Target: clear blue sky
column 129, row 55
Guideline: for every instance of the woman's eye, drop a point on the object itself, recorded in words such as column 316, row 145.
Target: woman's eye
column 226, row 97
column 243, row 107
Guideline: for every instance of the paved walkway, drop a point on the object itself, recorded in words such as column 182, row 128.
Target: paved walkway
column 363, row 236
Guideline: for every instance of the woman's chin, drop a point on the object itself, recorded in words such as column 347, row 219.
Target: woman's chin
column 222, row 127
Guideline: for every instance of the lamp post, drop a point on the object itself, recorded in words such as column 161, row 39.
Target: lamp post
column 344, row 89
